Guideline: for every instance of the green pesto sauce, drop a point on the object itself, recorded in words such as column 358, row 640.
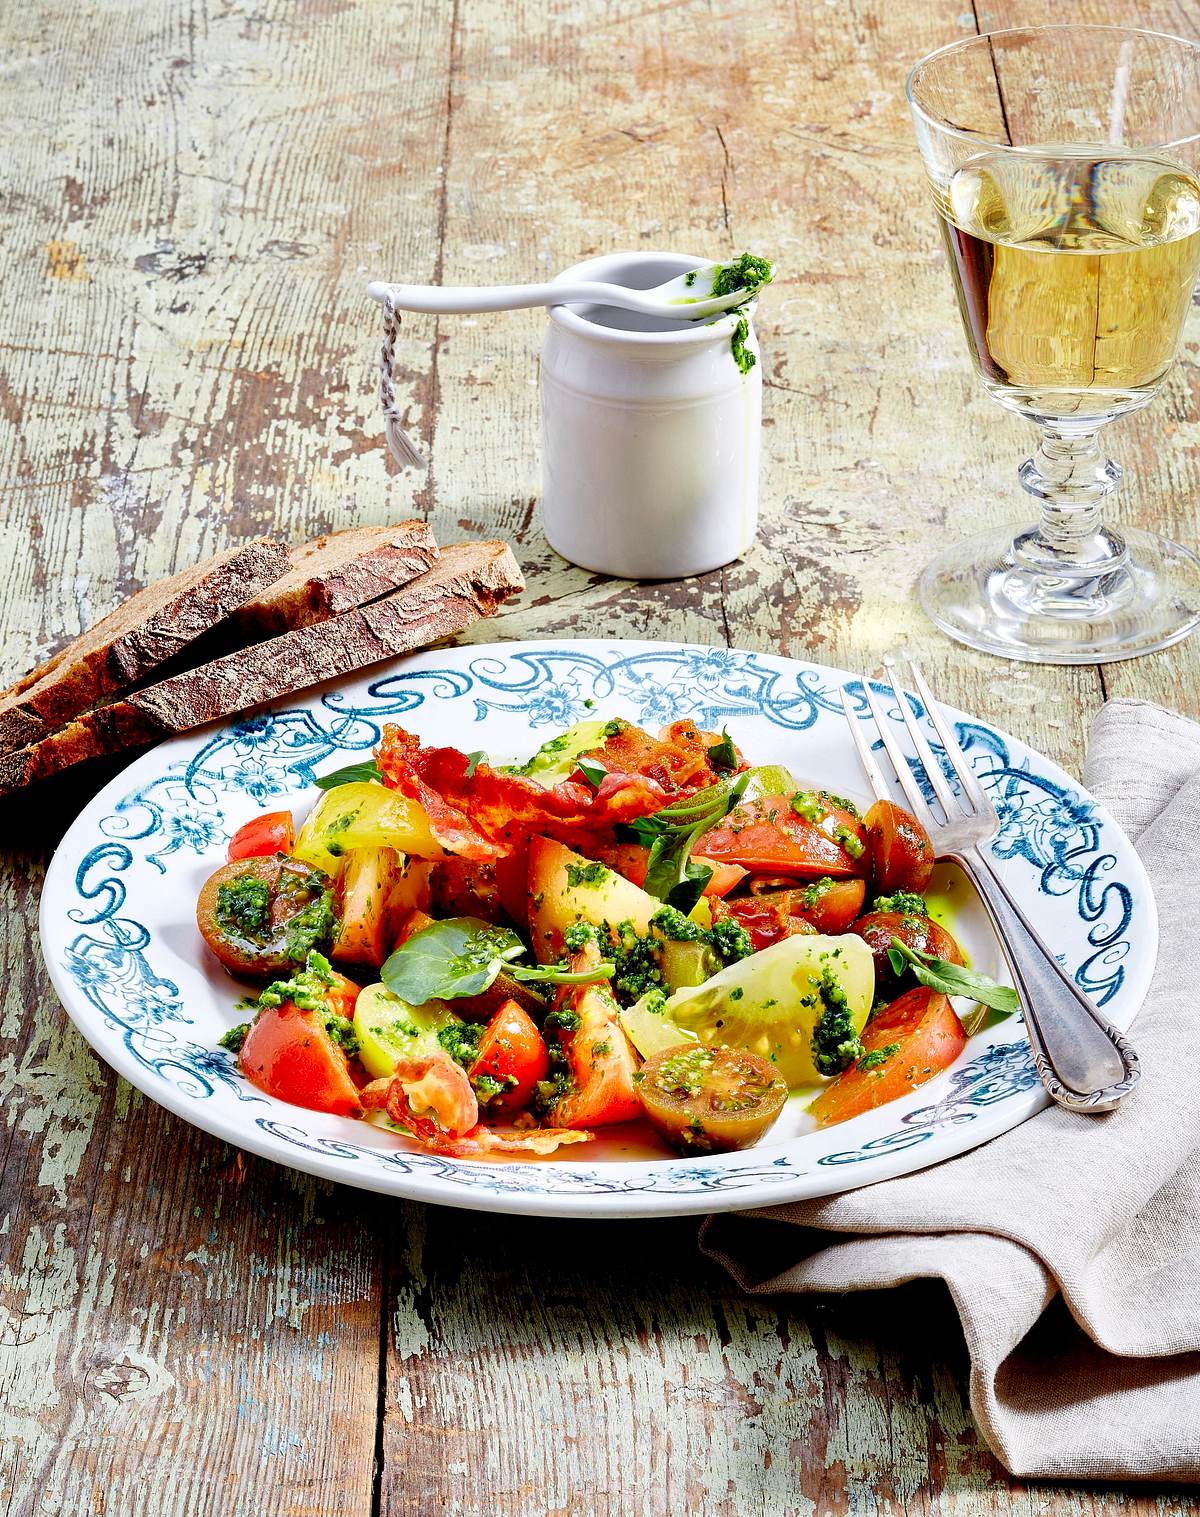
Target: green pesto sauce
column 746, row 272
column 235, row 1037
column 310, row 929
column 742, row 356
column 835, row 1044
column 306, row 989
column 244, row 907
column 591, row 874
column 878, row 1056
column 461, row 1041
column 907, row 902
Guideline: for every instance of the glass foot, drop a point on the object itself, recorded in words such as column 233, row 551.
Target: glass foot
column 988, row 593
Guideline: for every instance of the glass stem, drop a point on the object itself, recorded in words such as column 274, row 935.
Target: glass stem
column 1072, row 479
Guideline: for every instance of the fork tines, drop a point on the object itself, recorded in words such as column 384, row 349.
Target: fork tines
column 970, row 806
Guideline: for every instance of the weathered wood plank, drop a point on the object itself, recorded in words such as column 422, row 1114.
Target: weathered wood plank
column 186, row 361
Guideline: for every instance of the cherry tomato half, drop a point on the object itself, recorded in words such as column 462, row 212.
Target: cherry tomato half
column 273, row 832
column 512, row 1056
column 289, row 1054
column 878, row 928
column 904, row 1045
column 710, row 1100
column 900, row 851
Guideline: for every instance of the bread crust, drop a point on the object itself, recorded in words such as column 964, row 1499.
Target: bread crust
column 468, row 581
column 136, row 638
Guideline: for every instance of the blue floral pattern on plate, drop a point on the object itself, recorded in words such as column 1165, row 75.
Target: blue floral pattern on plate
column 179, row 815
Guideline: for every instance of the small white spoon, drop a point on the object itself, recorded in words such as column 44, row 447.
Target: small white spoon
column 675, row 299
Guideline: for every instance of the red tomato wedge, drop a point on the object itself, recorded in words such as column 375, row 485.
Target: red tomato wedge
column 905, row 1044
column 631, row 861
column 341, row 995
column 767, row 837
column 511, row 1053
column 273, row 832
column 289, row 1054
column 600, row 1060
column 724, row 876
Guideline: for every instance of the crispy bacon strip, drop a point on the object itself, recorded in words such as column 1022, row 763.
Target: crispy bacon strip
column 678, row 760
column 482, row 1141
column 487, row 815
column 391, row 1095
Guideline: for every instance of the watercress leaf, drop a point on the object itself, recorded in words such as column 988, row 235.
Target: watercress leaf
column 474, row 760
column 350, row 775
column 723, row 755
column 687, row 891
column 554, row 974
column 592, row 771
column 643, row 829
column 460, row 956
column 672, row 836
column 668, row 863
column 954, row 979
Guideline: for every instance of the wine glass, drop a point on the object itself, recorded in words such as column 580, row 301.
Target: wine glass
column 1063, row 162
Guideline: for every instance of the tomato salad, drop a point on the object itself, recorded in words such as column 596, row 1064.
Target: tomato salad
column 500, row 960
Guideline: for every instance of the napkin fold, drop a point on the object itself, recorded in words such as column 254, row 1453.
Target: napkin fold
column 1070, row 1245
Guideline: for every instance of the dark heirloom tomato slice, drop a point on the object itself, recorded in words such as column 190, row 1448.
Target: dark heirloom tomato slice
column 261, row 836
column 261, row 916
column 879, row 928
column 710, row 1100
column 899, row 848
column 904, row 1045
column 766, row 836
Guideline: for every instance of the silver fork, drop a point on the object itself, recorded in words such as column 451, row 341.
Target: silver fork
column 1083, row 1061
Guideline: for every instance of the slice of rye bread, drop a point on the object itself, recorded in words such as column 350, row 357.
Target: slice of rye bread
column 140, row 635
column 468, row 581
column 333, row 574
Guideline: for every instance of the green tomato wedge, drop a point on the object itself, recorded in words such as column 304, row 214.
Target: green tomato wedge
column 557, row 758
column 389, row 1028
column 653, row 1031
column 768, row 1004
column 768, row 779
column 364, row 815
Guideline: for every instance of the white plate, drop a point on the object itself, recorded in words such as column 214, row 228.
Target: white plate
column 119, row 936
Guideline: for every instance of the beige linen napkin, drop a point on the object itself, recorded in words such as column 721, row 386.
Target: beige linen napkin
column 1071, row 1245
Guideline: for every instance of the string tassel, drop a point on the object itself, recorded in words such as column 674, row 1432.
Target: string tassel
column 403, row 449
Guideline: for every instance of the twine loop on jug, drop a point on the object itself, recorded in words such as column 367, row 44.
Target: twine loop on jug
column 401, row 445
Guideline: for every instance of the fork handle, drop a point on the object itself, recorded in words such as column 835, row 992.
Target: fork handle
column 1084, row 1062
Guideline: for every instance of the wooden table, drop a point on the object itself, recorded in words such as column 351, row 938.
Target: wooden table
column 196, row 195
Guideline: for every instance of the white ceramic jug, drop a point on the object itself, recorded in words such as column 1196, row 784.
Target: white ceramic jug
column 650, row 431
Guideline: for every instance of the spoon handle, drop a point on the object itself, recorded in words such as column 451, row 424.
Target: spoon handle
column 447, row 300
column 450, row 301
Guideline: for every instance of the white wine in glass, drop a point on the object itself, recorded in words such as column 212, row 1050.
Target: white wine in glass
column 1074, row 256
